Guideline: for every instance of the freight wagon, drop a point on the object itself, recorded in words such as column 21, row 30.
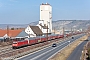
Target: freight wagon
column 34, row 40
column 38, row 39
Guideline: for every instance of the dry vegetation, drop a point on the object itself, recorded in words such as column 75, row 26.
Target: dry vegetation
column 88, row 31
column 63, row 54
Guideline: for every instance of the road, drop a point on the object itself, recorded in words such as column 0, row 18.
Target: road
column 76, row 54
column 48, row 52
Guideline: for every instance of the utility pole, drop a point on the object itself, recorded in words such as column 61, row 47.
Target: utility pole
column 54, row 30
column 63, row 32
column 47, row 30
column 7, row 32
column 71, row 32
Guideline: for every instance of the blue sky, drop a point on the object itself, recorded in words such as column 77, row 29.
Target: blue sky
column 26, row 11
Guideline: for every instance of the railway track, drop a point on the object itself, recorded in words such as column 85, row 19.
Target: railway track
column 8, row 52
column 11, row 52
column 5, row 51
column 6, row 47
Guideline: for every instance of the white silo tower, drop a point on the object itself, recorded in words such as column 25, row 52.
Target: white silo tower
column 46, row 15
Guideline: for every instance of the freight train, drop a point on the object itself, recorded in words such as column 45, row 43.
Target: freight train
column 34, row 40
column 29, row 41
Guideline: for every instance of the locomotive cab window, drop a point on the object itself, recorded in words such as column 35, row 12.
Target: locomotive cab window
column 14, row 42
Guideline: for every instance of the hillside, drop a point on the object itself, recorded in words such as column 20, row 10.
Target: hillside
column 68, row 24
column 57, row 25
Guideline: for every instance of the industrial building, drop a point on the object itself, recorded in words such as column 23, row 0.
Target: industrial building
column 45, row 17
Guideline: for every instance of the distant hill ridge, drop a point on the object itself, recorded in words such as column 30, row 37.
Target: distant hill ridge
column 68, row 24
